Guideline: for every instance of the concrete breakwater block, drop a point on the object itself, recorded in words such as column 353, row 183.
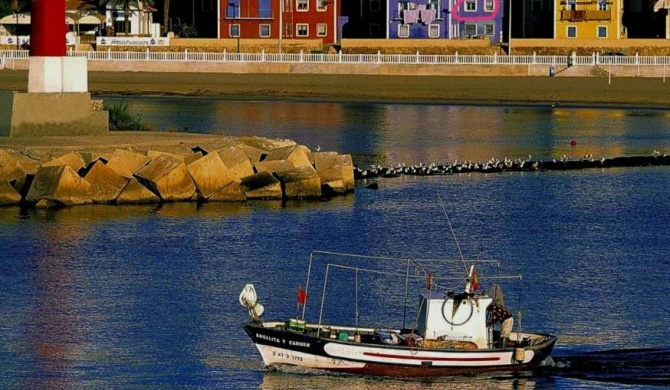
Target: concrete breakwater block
column 237, row 162
column 297, row 155
column 228, row 170
column 58, row 185
column 126, row 163
column 230, row 193
column 72, row 160
column 106, row 185
column 136, row 193
column 10, row 168
column 168, row 178
column 300, row 182
column 273, row 166
column 210, row 175
column 335, row 171
column 8, row 195
column 261, row 186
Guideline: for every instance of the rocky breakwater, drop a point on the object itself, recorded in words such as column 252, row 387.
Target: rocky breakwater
column 225, row 170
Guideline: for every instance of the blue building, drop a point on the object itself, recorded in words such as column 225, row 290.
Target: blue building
column 446, row 19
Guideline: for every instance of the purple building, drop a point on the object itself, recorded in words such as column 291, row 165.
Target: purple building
column 457, row 19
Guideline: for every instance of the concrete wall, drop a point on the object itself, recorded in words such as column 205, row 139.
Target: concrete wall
column 60, row 114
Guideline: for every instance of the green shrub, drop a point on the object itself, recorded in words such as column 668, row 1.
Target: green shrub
column 120, row 118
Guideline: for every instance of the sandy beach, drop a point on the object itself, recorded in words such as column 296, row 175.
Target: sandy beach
column 636, row 91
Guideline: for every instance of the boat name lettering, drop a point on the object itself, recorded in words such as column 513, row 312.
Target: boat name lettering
column 269, row 338
column 298, row 344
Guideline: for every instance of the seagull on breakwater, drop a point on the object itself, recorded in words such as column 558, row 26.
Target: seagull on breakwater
column 318, row 148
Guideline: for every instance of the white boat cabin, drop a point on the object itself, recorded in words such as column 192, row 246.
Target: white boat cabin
column 454, row 317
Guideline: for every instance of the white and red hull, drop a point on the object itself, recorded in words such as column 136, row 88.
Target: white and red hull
column 279, row 346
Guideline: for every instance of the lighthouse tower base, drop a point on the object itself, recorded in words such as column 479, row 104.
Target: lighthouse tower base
column 57, row 102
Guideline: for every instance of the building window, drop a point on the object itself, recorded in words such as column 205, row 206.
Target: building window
column 302, row 30
column 264, row 9
column 321, row 5
column 571, row 31
column 435, row 4
column 302, row 5
column 470, row 30
column 489, row 30
column 234, row 30
column 602, row 5
column 374, row 6
column 433, row 31
column 602, row 31
column 321, row 30
column 264, row 30
column 571, row 5
column 470, row 5
column 375, row 30
column 488, row 6
column 403, row 30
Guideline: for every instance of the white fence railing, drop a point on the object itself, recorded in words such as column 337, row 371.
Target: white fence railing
column 378, row 58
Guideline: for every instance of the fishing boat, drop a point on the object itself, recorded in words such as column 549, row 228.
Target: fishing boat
column 456, row 328
column 453, row 332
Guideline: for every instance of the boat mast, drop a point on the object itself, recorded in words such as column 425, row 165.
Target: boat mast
column 323, row 300
column 309, row 270
column 453, row 233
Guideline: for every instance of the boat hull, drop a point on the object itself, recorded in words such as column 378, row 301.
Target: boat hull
column 279, row 346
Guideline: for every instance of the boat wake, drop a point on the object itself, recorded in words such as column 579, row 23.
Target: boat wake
column 626, row 366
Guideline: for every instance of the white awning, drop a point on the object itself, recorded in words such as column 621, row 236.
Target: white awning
column 661, row 4
column 16, row 19
column 70, row 18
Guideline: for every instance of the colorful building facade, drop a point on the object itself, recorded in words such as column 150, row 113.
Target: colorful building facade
column 598, row 19
column 447, row 19
column 291, row 19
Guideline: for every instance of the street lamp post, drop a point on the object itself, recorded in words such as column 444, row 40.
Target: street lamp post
column 281, row 22
column 509, row 32
column 16, row 29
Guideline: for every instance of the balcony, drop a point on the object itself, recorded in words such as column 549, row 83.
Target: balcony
column 585, row 15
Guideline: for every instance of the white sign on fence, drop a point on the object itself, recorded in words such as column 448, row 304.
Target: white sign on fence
column 132, row 41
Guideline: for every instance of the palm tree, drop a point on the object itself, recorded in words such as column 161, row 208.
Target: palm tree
column 126, row 6
column 166, row 14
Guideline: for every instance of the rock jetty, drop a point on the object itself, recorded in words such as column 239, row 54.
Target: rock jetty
column 228, row 169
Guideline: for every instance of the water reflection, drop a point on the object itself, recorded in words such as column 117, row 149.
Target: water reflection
column 283, row 380
column 411, row 133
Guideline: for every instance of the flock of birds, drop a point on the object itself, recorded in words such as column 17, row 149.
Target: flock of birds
column 494, row 165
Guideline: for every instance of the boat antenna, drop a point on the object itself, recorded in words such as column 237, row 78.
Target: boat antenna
column 453, row 233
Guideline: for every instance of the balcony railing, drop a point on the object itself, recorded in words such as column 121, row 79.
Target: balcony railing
column 585, row 15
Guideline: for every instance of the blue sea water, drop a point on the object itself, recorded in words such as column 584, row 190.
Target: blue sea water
column 147, row 296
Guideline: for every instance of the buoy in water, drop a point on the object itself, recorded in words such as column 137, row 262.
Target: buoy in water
column 372, row 186
column 573, row 142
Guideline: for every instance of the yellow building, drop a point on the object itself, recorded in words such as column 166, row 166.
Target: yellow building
column 589, row 19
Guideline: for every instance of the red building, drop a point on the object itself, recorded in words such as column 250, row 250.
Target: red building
column 258, row 19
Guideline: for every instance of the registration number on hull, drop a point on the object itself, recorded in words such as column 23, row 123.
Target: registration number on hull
column 287, row 356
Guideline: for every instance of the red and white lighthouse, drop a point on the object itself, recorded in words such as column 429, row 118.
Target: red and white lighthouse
column 50, row 69
column 57, row 101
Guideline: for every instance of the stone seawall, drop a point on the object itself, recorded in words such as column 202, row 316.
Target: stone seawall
column 225, row 169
